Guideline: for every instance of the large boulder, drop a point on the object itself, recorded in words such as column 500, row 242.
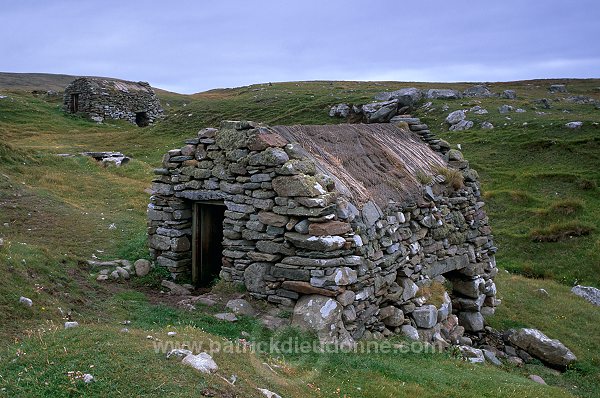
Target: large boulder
column 443, row 93
column 479, row 91
column 318, row 314
column 380, row 112
column 340, row 110
column 542, row 347
column 509, row 94
column 456, row 117
column 405, row 96
column 557, row 88
column 589, row 293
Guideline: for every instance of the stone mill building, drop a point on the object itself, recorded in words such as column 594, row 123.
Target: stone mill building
column 100, row 98
column 363, row 230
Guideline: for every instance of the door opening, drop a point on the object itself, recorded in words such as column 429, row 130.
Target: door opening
column 207, row 247
column 141, row 119
column 74, row 103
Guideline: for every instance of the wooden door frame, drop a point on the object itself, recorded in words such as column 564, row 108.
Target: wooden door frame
column 196, row 213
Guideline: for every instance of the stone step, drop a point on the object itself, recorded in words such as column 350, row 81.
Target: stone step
column 403, row 118
column 418, row 127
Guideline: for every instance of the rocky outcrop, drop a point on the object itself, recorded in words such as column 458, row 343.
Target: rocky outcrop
column 478, row 91
column 542, row 347
column 588, row 293
column 408, row 97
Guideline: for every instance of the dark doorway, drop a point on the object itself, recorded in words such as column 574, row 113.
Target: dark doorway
column 141, row 119
column 74, row 103
column 207, row 249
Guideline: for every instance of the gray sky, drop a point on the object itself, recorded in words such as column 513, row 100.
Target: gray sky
column 191, row 46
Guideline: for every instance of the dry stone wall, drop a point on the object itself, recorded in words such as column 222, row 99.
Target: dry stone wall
column 348, row 271
column 100, row 99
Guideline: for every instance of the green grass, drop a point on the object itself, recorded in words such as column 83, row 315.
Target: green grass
column 539, row 179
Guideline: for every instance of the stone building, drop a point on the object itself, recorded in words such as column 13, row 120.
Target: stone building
column 100, row 98
column 364, row 230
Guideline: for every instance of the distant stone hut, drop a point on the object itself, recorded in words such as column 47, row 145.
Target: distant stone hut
column 100, row 99
column 354, row 226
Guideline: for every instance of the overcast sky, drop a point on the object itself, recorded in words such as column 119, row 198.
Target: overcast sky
column 192, row 46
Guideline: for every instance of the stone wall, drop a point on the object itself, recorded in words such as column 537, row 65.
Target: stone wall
column 100, row 99
column 294, row 241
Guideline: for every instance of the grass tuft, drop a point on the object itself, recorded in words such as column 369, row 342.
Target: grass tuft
column 561, row 231
column 454, row 177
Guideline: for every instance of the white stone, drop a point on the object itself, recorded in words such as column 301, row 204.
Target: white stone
column 25, row 301
column 69, row 325
column 268, row 394
column 202, row 362
column 88, row 378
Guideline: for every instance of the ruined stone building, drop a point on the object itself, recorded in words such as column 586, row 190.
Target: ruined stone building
column 376, row 228
column 100, row 99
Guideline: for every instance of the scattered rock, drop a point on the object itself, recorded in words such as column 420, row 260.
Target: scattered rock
column 589, row 293
column 178, row 353
column 479, row 91
column 440, row 93
column 537, row 379
column 487, row 125
column 69, row 325
column 268, row 394
column 520, row 110
column 1, row 243
column 462, row 125
column 142, row 267
column 580, row 99
column 340, row 110
column 380, row 112
column 542, row 347
column 241, row 307
column 202, row 362
column 479, row 110
column 456, row 117
column 226, row 316
column 175, row 289
column 542, row 292
column 122, row 272
column 471, row 354
column 491, row 357
column 25, row 301
column 574, row 125
column 102, row 277
column 88, row 378
column 544, row 102
column 557, row 88
column 505, row 109
column 106, row 158
column 405, row 96
column 171, row 334
column 509, row 94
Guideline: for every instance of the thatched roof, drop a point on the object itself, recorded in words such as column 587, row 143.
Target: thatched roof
column 100, row 84
column 376, row 162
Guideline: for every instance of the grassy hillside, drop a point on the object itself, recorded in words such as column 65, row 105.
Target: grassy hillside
column 540, row 180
